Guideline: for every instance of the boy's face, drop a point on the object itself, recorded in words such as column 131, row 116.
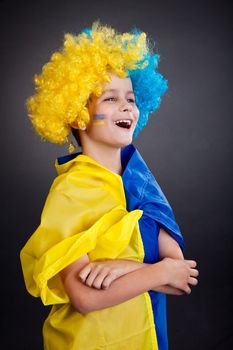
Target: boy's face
column 114, row 114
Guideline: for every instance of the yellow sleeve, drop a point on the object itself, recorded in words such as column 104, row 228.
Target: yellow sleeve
column 74, row 222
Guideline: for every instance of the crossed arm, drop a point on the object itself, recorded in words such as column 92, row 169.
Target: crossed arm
column 97, row 285
column 102, row 274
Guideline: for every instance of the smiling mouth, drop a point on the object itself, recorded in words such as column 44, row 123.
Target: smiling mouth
column 123, row 123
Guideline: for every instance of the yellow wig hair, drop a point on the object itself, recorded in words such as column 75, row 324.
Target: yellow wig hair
column 78, row 70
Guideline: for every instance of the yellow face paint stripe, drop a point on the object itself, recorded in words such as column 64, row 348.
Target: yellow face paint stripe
column 98, row 122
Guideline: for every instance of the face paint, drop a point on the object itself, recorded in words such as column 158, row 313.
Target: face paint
column 98, row 122
column 98, row 116
column 98, row 119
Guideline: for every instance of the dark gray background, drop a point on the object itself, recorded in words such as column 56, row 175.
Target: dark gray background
column 187, row 145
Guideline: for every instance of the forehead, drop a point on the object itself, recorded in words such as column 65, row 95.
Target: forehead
column 116, row 83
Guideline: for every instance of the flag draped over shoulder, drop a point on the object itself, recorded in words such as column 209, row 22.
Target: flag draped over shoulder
column 91, row 210
column 85, row 212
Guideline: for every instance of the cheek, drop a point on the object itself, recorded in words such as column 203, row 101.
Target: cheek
column 98, row 117
column 136, row 113
column 98, row 129
column 98, row 122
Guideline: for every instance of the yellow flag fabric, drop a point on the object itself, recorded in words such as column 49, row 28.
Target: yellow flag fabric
column 85, row 212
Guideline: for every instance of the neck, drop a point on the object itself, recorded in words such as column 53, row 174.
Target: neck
column 109, row 157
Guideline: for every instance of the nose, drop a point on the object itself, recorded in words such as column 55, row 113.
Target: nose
column 126, row 107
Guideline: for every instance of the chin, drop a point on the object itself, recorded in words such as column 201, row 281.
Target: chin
column 124, row 143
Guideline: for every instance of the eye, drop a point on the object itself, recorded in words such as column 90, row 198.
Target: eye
column 131, row 100
column 111, row 99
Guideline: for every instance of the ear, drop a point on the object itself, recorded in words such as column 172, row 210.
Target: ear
column 79, row 126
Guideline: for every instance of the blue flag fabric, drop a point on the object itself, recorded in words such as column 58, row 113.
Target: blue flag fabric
column 143, row 192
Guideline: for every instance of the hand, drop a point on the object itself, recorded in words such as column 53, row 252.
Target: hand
column 181, row 274
column 168, row 290
column 100, row 274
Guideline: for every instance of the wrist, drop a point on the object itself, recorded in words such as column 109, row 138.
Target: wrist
column 163, row 266
column 132, row 265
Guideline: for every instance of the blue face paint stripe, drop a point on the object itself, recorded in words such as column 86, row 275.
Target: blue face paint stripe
column 98, row 117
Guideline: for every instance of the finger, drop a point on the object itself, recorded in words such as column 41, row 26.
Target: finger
column 194, row 272
column 92, row 276
column 108, row 280
column 100, row 278
column 191, row 263
column 193, row 281
column 187, row 290
column 84, row 272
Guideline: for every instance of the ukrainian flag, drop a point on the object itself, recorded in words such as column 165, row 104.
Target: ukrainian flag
column 92, row 210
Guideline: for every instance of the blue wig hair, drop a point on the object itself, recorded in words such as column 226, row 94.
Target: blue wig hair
column 149, row 86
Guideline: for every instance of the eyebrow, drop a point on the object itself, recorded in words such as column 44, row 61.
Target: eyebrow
column 116, row 90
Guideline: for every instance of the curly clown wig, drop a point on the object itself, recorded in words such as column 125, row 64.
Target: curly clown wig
column 79, row 70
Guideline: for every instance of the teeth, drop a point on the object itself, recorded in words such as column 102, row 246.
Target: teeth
column 123, row 123
column 126, row 121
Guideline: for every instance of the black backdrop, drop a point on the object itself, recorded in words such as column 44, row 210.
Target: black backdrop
column 187, row 145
